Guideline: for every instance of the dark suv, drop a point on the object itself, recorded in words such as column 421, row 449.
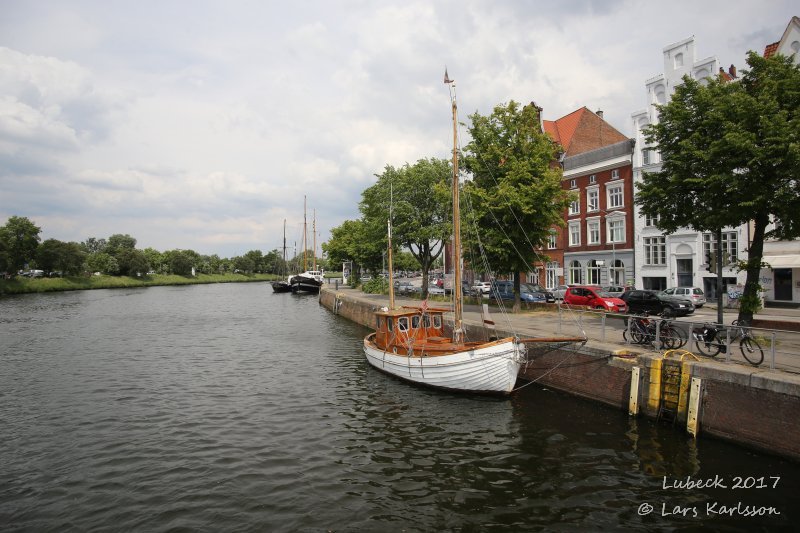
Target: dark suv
column 655, row 302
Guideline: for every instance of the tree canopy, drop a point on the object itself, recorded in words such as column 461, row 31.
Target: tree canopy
column 419, row 199
column 515, row 195
column 731, row 155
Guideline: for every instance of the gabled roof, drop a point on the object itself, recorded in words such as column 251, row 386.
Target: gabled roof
column 770, row 50
column 581, row 131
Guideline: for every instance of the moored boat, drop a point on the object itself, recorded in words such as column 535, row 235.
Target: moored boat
column 411, row 342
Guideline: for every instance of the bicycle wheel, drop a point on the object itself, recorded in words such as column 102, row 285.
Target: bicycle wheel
column 672, row 337
column 709, row 349
column 752, row 351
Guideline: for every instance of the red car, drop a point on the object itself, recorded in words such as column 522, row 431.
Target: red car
column 595, row 298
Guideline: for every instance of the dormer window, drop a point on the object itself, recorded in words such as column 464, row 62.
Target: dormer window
column 592, row 179
column 572, row 184
column 615, row 174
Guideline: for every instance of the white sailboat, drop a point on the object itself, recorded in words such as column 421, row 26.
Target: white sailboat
column 411, row 343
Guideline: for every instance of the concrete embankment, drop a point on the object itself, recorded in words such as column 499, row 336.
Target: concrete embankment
column 752, row 407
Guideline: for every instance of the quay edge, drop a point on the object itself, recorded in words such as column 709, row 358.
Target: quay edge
column 754, row 408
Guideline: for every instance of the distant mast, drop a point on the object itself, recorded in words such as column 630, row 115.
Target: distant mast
column 314, row 230
column 458, row 304
column 305, row 236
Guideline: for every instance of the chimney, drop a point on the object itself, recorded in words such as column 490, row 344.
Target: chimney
column 599, row 113
column 732, row 71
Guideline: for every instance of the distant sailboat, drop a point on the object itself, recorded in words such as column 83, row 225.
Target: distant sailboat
column 308, row 281
column 283, row 285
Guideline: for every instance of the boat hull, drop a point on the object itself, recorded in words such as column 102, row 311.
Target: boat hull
column 491, row 368
column 281, row 286
column 307, row 284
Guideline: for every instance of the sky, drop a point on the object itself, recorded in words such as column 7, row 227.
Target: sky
column 203, row 124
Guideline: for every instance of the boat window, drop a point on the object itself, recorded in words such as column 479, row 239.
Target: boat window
column 437, row 321
column 415, row 322
column 402, row 323
column 377, row 323
column 426, row 321
column 389, row 323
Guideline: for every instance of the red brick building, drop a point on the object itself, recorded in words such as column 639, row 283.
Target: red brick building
column 596, row 244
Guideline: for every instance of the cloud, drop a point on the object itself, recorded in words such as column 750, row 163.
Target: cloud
column 204, row 128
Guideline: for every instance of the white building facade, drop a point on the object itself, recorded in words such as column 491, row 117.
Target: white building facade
column 680, row 259
column 781, row 282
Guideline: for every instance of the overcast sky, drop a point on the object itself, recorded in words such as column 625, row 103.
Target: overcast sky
column 199, row 124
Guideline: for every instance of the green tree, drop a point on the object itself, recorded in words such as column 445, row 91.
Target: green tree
column 20, row 240
column 55, row 255
column 103, row 263
column 731, row 153
column 93, row 245
column 419, row 199
column 515, row 194
column 348, row 242
column 48, row 254
column 118, row 242
column 180, row 262
column 257, row 259
column 155, row 259
column 132, row 262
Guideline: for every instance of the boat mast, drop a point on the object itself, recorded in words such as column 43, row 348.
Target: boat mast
column 284, row 242
column 458, row 304
column 391, row 270
column 305, row 236
column 314, row 230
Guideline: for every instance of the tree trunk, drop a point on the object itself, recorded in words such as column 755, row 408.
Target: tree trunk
column 750, row 301
column 718, row 266
column 517, row 287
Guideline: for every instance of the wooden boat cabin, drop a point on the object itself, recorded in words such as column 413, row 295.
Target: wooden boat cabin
column 416, row 332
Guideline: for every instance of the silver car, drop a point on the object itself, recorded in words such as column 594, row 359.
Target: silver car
column 693, row 294
column 558, row 292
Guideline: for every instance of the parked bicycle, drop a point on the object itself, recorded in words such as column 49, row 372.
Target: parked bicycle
column 644, row 330
column 712, row 340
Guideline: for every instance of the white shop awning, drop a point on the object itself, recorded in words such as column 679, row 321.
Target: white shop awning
column 782, row 261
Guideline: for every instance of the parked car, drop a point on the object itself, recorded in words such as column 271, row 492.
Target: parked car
column 595, row 298
column 435, row 290
column 548, row 296
column 560, row 291
column 656, row 302
column 504, row 290
column 405, row 287
column 481, row 287
column 694, row 294
column 614, row 290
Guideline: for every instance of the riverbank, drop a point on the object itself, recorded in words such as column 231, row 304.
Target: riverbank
column 752, row 407
column 20, row 285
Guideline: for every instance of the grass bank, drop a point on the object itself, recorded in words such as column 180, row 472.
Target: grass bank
column 20, row 285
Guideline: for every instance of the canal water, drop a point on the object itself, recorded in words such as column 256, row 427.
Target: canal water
column 229, row 408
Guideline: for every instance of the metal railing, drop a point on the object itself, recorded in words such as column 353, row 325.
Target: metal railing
column 781, row 348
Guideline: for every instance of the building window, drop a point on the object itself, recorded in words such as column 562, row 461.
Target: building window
column 616, row 230
column 574, row 233
column 615, row 198
column 645, row 156
column 593, row 273
column 551, row 241
column 729, row 247
column 572, row 184
column 615, row 174
column 616, row 273
column 650, row 222
column 592, row 199
column 593, row 231
column 551, row 275
column 575, row 207
column 575, row 273
column 592, row 179
column 655, row 251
